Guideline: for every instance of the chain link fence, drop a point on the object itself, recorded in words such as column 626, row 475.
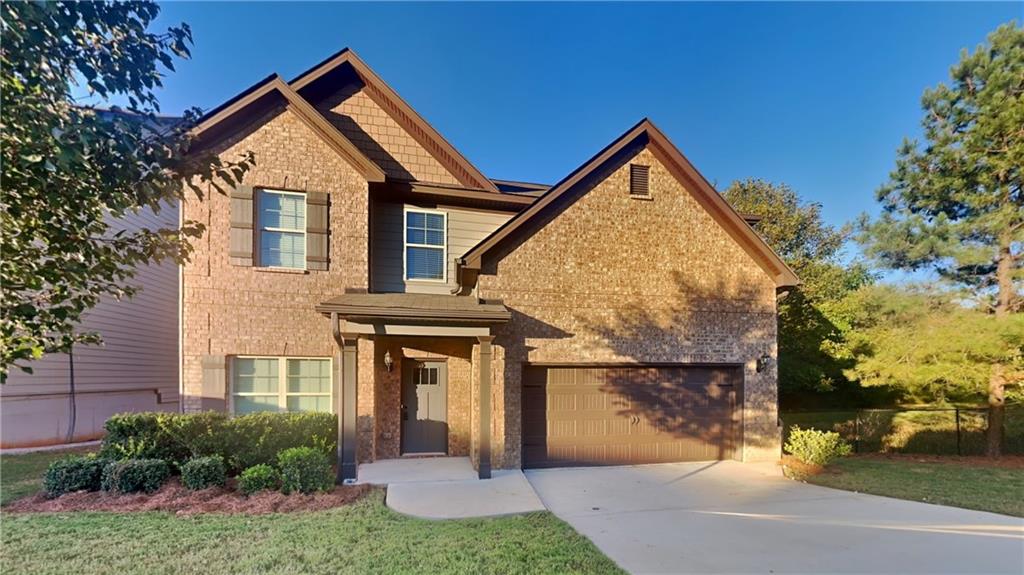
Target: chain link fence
column 926, row 430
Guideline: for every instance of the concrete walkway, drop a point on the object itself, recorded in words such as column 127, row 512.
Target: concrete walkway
column 729, row 517
column 42, row 448
column 448, row 488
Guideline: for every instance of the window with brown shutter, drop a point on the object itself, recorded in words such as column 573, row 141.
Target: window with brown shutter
column 639, row 180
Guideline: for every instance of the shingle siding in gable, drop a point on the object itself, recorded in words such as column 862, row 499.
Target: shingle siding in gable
column 381, row 138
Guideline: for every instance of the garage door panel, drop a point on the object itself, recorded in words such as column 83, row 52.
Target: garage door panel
column 623, row 415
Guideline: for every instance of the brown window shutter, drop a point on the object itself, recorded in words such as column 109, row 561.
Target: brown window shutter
column 215, row 382
column 317, row 230
column 240, row 246
column 639, row 180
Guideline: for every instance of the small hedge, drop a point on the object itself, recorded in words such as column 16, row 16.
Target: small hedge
column 74, row 473
column 258, row 478
column 305, row 470
column 242, row 441
column 204, row 472
column 816, row 447
column 135, row 475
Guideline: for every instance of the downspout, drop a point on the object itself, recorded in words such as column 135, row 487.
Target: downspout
column 459, row 262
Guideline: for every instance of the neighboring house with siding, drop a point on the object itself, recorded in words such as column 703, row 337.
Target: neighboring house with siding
column 625, row 314
column 134, row 369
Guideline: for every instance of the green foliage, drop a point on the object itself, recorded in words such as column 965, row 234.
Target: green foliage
column 956, row 203
column 69, row 169
column 931, row 347
column 135, row 475
column 812, row 348
column 258, row 478
column 74, row 473
column 816, row 447
column 204, row 472
column 305, row 470
column 242, row 441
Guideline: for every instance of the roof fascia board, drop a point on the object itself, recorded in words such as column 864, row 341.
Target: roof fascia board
column 313, row 119
column 386, row 97
column 684, row 171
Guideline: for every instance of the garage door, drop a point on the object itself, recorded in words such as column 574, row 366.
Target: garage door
column 626, row 415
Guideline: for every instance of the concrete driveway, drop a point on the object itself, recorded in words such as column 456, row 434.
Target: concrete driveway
column 729, row 517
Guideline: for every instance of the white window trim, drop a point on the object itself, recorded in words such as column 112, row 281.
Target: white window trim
column 406, row 245
column 282, row 381
column 260, row 229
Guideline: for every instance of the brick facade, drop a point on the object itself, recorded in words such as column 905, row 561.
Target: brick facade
column 609, row 279
column 614, row 278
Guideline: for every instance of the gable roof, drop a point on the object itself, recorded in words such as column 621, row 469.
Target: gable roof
column 646, row 133
column 272, row 90
column 389, row 100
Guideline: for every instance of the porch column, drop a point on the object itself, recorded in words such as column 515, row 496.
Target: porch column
column 484, row 466
column 346, row 362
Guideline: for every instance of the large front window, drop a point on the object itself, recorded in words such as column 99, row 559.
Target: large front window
column 280, row 384
column 425, row 245
column 282, row 230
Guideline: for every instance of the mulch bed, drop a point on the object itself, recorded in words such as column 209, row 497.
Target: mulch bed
column 796, row 469
column 174, row 498
column 1005, row 462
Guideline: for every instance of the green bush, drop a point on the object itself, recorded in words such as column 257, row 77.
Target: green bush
column 304, row 469
column 258, row 478
column 203, row 472
column 74, row 473
column 816, row 447
column 242, row 441
column 135, row 475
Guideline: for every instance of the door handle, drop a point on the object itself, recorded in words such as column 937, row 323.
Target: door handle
column 405, row 413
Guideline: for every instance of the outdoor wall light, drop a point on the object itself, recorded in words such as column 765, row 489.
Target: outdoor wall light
column 763, row 362
column 388, row 362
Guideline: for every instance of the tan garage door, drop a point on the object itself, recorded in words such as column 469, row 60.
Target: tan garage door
column 624, row 415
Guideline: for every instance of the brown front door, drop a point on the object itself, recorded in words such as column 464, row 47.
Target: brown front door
column 628, row 415
column 424, row 406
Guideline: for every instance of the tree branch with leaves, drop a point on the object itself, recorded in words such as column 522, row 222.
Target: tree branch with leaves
column 71, row 170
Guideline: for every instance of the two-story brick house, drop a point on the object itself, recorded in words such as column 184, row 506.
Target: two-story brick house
column 625, row 314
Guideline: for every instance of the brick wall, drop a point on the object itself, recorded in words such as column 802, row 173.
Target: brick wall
column 618, row 279
column 233, row 310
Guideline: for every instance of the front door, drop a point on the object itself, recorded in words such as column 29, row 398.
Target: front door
column 424, row 406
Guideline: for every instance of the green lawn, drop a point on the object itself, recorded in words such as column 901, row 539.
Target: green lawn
column 365, row 537
column 969, row 485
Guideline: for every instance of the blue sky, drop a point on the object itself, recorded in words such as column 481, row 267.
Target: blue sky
column 815, row 95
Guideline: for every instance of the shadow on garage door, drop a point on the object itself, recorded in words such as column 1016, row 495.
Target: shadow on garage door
column 623, row 415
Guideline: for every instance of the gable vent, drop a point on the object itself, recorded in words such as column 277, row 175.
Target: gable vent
column 639, row 180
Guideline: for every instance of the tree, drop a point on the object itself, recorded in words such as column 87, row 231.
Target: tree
column 929, row 346
column 955, row 204
column 69, row 170
column 812, row 350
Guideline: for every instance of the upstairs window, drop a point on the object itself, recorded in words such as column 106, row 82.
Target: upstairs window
column 425, row 245
column 282, row 229
column 639, row 181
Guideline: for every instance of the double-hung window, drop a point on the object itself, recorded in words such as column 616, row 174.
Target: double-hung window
column 282, row 229
column 425, row 245
column 280, row 384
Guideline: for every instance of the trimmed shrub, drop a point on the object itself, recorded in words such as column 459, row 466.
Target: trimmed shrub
column 74, row 473
column 242, row 441
column 135, row 475
column 203, row 472
column 304, row 469
column 816, row 447
column 258, row 478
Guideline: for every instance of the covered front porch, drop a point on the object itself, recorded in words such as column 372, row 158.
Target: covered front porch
column 411, row 370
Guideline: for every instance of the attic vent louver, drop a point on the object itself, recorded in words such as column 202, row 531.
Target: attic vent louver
column 639, row 180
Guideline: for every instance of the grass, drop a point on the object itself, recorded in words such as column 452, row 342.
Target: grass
column 365, row 537
column 21, row 475
column 966, row 484
column 930, row 432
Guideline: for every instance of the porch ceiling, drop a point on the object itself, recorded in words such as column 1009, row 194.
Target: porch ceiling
column 413, row 308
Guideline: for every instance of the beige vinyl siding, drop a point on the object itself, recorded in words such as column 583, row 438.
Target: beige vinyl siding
column 466, row 227
column 135, row 369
